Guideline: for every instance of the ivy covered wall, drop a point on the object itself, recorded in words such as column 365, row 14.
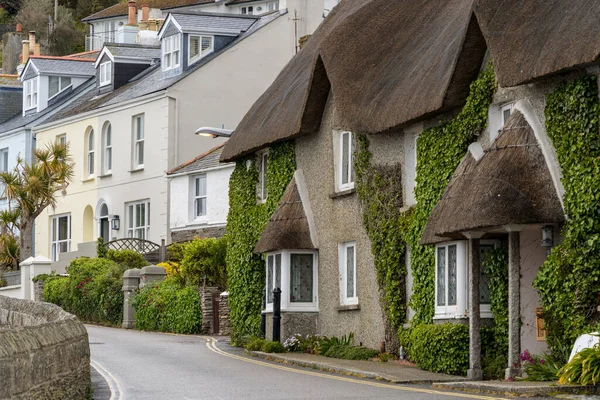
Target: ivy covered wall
column 569, row 281
column 245, row 223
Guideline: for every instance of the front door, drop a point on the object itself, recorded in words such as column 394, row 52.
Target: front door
column 105, row 229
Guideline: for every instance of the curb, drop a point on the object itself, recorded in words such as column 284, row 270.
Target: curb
column 514, row 390
column 339, row 370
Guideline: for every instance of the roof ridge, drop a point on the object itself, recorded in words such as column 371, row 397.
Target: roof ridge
column 201, row 156
column 60, row 58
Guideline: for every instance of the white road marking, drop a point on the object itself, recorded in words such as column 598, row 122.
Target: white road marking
column 116, row 391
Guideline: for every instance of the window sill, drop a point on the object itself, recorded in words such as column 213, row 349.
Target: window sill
column 88, row 179
column 349, row 307
column 108, row 175
column 136, row 170
column 343, row 193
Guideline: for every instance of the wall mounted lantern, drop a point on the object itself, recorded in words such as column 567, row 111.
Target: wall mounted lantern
column 116, row 223
column 548, row 236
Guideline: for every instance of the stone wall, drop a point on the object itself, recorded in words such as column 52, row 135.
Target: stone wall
column 206, row 297
column 224, row 321
column 203, row 233
column 44, row 352
column 293, row 323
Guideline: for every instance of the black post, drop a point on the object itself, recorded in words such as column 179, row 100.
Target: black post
column 263, row 316
column 277, row 315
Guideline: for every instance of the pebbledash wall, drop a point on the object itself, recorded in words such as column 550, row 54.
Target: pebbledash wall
column 44, row 352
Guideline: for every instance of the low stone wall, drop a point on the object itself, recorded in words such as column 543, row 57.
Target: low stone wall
column 224, row 311
column 44, row 352
column 206, row 297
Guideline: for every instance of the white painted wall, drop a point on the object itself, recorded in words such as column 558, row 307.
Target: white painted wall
column 217, row 200
column 12, row 291
column 19, row 143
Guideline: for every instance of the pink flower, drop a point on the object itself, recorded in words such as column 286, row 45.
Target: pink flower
column 510, row 379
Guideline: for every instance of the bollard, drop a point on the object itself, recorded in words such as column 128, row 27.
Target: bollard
column 263, row 316
column 152, row 274
column 131, row 281
column 277, row 315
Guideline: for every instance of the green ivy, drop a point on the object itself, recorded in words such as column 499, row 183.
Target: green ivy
column 439, row 151
column 569, row 281
column 496, row 267
column 245, row 223
column 380, row 191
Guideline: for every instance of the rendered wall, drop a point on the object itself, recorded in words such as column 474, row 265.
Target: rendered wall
column 44, row 352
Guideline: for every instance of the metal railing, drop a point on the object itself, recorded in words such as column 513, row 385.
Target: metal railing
column 96, row 41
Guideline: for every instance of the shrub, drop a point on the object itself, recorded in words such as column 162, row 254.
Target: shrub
column 101, row 248
column 347, row 352
column 272, row 347
column 175, row 252
column 255, row 344
column 540, row 368
column 172, row 268
column 584, row 368
column 168, row 307
column 127, row 258
column 441, row 348
column 205, row 258
column 3, row 282
column 293, row 343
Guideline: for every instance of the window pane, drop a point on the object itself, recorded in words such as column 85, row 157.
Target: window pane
column 351, row 158
column 202, row 185
column 109, row 135
column 452, row 275
column 441, row 276
column 484, row 278
column 130, row 222
column 63, row 228
column 506, row 115
column 270, row 279
column 194, row 46
column 52, row 85
column 109, row 159
column 142, row 211
column 345, row 160
column 301, row 278
column 64, row 82
column 140, row 152
column 200, row 207
column 63, row 247
column 278, row 271
column 350, row 271
column 206, row 44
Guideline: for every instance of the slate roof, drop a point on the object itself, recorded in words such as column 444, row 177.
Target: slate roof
column 121, row 8
column 56, row 65
column 152, row 80
column 212, row 21
column 19, row 121
column 10, row 80
column 234, row 2
column 204, row 161
column 133, row 50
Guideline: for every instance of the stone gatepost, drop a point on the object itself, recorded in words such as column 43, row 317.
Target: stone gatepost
column 151, row 274
column 224, row 321
column 131, row 281
column 30, row 268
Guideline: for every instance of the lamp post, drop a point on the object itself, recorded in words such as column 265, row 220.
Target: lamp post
column 214, row 133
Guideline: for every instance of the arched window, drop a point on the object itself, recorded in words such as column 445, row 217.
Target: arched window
column 90, row 153
column 107, row 149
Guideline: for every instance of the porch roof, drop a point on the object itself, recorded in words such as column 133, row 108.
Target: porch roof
column 509, row 185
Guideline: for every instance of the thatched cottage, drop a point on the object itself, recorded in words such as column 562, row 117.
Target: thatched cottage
column 403, row 149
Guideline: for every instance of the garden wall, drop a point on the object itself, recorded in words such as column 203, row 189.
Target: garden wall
column 44, row 352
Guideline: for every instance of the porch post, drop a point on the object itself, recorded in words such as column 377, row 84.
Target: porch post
column 514, row 304
column 475, row 372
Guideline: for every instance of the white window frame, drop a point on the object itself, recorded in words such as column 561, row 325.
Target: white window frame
column 61, row 139
column 339, row 164
column 105, row 73
column 54, row 232
column 107, row 158
column 171, row 52
column 31, row 95
column 286, row 303
column 198, row 197
column 3, row 168
column 90, row 153
column 263, row 165
column 131, row 210
column 272, row 261
column 138, row 141
column 272, row 6
column 201, row 53
column 62, row 85
column 343, row 263
column 411, row 138
column 496, row 118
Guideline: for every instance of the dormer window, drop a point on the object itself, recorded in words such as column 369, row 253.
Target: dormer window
column 31, row 93
column 199, row 46
column 171, row 51
column 105, row 73
column 57, row 84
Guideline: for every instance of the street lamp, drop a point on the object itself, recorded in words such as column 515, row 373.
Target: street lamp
column 214, row 133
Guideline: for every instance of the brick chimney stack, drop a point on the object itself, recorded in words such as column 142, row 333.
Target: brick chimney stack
column 145, row 12
column 32, row 39
column 19, row 28
column 25, row 53
column 132, row 16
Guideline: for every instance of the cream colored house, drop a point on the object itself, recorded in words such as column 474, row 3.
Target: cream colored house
column 133, row 128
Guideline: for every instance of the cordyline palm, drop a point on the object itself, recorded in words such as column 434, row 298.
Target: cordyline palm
column 30, row 188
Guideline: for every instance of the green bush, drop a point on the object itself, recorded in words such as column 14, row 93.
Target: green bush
column 347, row 352
column 127, row 258
column 272, row 347
column 255, row 344
column 175, row 252
column 583, row 369
column 540, row 368
column 168, row 307
column 441, row 348
column 3, row 282
column 205, row 258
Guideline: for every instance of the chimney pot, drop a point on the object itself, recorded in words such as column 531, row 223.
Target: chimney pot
column 152, row 24
column 145, row 12
column 25, row 52
column 19, row 28
column 132, row 16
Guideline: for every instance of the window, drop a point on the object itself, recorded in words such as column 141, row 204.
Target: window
column 263, row 160
column 295, row 273
column 348, row 275
column 200, row 196
column 31, row 90
column 107, row 149
column 171, row 50
column 498, row 117
column 90, row 154
column 138, row 220
column 451, row 276
column 57, row 84
column 273, row 6
column 506, row 111
column 60, row 241
column 138, row 141
column 410, row 173
column 105, row 73
column 62, row 139
column 199, row 46
column 345, row 168
column 3, row 168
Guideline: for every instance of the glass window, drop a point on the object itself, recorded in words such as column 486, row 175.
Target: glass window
column 199, row 47
column 4, row 159
column 105, row 73
column 348, row 274
column 301, row 278
column 107, row 149
column 441, row 276
column 263, row 160
column 138, row 220
column 273, row 6
column 452, row 275
column 171, row 50
column 346, row 168
column 60, row 241
column 138, row 139
column 31, row 90
column 200, row 196
column 273, row 275
column 57, row 84
column 90, row 154
column 62, row 139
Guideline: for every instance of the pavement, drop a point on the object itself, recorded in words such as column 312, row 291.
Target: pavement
column 519, row 388
column 145, row 365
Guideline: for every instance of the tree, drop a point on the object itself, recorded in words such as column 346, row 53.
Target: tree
column 31, row 188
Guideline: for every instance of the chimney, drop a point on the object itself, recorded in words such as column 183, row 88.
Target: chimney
column 152, row 24
column 32, row 39
column 160, row 23
column 19, row 28
column 25, row 53
column 132, row 17
column 36, row 49
column 145, row 12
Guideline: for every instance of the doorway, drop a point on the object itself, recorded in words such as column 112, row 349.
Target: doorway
column 104, row 224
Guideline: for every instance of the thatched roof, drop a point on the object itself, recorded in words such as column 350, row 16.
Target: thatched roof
column 509, row 185
column 534, row 38
column 389, row 62
column 288, row 227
